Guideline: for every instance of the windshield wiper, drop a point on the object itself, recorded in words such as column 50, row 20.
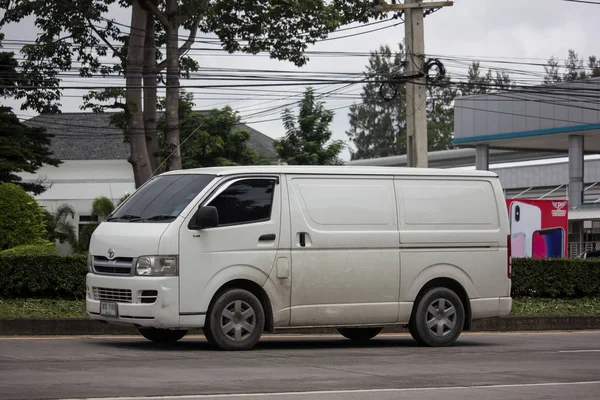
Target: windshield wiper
column 126, row 217
column 162, row 217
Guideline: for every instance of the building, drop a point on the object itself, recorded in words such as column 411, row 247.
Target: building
column 552, row 130
column 95, row 162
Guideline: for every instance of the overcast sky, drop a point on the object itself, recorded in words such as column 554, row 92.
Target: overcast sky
column 520, row 30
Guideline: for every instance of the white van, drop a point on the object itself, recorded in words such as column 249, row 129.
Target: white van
column 242, row 250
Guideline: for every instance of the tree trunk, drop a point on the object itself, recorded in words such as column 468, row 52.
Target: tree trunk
column 150, row 94
column 133, row 81
column 172, row 117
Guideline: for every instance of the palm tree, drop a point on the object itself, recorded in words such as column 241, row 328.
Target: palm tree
column 101, row 207
column 64, row 229
column 58, row 226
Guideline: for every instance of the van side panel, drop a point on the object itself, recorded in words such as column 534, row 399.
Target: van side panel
column 279, row 285
column 347, row 271
column 452, row 228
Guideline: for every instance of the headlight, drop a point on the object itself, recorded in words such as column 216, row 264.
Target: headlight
column 89, row 263
column 157, row 266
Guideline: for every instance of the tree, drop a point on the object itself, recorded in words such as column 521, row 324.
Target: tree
column 101, row 207
column 21, row 220
column 574, row 69
column 22, row 148
column 307, row 138
column 82, row 28
column 213, row 138
column 59, row 227
column 378, row 126
column 440, row 121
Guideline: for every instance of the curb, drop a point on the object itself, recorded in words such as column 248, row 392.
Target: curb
column 84, row 326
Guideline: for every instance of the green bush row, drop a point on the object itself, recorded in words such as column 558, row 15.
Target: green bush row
column 43, row 275
column 557, row 277
column 59, row 276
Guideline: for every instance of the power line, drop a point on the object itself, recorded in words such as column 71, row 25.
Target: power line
column 584, row 2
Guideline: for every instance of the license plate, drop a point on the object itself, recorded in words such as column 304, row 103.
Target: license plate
column 109, row 309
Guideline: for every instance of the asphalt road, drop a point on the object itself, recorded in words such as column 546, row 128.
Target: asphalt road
column 481, row 366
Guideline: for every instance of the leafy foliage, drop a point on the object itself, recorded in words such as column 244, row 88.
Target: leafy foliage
column 307, row 139
column 574, row 69
column 59, row 227
column 478, row 84
column 78, row 35
column 43, row 275
column 31, row 249
column 378, row 127
column 21, row 220
column 101, row 207
column 555, row 277
column 22, row 148
column 214, row 138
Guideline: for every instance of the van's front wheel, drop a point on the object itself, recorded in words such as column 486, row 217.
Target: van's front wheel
column 236, row 320
column 359, row 334
column 438, row 319
column 166, row 336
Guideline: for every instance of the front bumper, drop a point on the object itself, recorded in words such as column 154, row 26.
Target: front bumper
column 151, row 302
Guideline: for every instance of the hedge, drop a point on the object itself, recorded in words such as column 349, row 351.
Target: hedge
column 555, row 277
column 59, row 276
column 42, row 275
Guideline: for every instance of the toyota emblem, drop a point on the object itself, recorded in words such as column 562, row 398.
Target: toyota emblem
column 111, row 253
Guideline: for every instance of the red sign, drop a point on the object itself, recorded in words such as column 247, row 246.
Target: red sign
column 538, row 228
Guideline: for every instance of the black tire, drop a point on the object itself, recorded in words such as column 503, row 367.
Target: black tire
column 230, row 319
column 435, row 329
column 359, row 334
column 209, row 338
column 165, row 336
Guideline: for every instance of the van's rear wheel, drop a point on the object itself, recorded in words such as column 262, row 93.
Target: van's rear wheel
column 162, row 335
column 236, row 320
column 438, row 319
column 359, row 334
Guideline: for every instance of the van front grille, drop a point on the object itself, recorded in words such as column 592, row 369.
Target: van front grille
column 107, row 294
column 117, row 266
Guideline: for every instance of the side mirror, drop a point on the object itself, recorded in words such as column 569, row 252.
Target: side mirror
column 205, row 217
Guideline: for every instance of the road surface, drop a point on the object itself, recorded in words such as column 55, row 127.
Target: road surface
column 552, row 365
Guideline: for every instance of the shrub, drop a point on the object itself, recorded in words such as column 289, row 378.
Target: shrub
column 22, row 220
column 558, row 277
column 48, row 276
column 24, row 273
column 31, row 249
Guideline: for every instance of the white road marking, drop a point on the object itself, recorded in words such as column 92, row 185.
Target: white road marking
column 334, row 392
column 579, row 351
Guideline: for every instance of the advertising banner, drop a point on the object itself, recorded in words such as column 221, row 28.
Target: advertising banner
column 538, row 228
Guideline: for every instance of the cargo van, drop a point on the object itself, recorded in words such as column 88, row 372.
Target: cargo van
column 239, row 251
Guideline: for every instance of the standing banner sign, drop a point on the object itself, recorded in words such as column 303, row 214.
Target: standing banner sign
column 538, row 228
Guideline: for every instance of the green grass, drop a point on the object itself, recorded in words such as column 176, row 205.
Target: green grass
column 528, row 306
column 49, row 308
column 42, row 308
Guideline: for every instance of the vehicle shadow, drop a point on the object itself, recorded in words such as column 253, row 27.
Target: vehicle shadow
column 274, row 343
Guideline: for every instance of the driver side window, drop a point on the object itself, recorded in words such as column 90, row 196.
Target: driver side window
column 244, row 202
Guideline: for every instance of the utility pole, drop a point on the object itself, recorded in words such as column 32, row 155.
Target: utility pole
column 416, row 90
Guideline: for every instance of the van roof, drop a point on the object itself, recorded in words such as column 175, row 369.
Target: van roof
column 332, row 170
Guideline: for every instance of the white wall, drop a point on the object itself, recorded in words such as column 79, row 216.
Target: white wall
column 79, row 182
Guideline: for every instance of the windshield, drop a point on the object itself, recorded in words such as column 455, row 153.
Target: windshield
column 162, row 199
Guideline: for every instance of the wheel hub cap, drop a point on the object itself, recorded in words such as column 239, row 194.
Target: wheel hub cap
column 238, row 321
column 441, row 317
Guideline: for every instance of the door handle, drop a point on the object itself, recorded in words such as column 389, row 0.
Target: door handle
column 302, row 239
column 267, row 238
